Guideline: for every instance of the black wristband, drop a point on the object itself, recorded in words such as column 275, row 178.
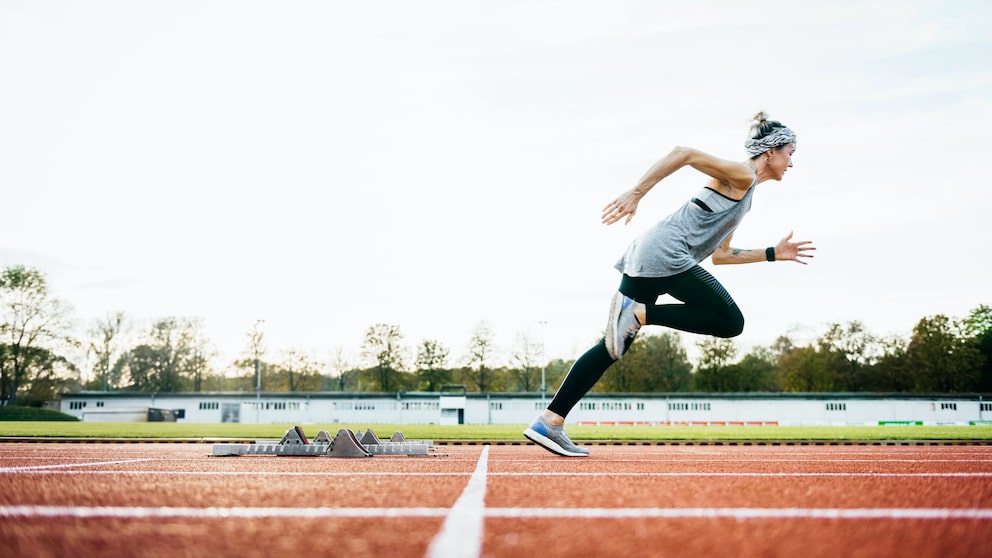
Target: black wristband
column 770, row 253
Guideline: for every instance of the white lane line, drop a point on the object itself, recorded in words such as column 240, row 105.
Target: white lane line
column 743, row 513
column 244, row 473
column 44, row 468
column 461, row 534
column 744, row 475
column 663, row 463
column 354, row 474
column 120, row 512
column 471, row 542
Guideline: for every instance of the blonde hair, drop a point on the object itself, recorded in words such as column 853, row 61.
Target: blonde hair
column 761, row 126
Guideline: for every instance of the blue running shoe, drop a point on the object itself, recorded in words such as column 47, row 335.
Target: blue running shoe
column 553, row 438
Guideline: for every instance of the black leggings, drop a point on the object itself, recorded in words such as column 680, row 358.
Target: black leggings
column 708, row 309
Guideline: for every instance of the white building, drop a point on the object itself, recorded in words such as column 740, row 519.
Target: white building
column 516, row 408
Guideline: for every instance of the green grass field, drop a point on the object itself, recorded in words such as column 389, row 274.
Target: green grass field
column 164, row 430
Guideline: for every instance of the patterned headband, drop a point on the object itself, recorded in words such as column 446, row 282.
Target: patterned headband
column 780, row 136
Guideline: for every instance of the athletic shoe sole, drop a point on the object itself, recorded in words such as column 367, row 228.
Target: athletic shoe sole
column 611, row 328
column 549, row 444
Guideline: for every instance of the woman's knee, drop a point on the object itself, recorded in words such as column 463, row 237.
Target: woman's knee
column 734, row 325
column 731, row 325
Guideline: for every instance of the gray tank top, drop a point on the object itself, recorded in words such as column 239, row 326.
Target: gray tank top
column 686, row 237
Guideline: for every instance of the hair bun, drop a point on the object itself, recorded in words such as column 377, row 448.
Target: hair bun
column 758, row 126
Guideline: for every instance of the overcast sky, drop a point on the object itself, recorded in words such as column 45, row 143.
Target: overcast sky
column 325, row 166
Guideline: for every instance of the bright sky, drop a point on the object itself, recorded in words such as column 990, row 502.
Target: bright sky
column 325, row 166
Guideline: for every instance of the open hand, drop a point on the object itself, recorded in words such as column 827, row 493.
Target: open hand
column 623, row 206
column 793, row 251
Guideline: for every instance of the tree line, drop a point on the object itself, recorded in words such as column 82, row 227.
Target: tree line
column 942, row 355
column 41, row 358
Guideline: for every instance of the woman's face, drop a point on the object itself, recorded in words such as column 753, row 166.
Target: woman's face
column 781, row 160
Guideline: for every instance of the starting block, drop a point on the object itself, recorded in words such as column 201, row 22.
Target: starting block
column 344, row 444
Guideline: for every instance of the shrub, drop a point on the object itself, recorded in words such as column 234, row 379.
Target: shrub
column 33, row 413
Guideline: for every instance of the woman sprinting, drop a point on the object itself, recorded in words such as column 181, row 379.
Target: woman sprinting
column 665, row 260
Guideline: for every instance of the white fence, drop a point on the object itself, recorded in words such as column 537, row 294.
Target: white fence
column 474, row 408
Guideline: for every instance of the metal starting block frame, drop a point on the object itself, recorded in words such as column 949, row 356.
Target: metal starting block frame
column 345, row 444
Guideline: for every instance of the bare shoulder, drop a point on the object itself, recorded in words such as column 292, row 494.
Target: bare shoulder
column 732, row 177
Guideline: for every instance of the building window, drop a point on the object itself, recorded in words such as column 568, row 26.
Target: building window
column 209, row 405
column 688, row 406
column 948, row 406
column 836, row 406
column 420, row 405
column 615, row 406
column 287, row 405
column 986, row 406
column 76, row 405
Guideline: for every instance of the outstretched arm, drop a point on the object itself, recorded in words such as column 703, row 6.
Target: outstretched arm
column 734, row 174
column 784, row 250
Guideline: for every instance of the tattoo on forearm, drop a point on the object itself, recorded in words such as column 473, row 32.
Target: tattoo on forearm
column 737, row 251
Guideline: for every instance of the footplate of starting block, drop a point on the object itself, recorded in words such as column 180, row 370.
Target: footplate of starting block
column 344, row 444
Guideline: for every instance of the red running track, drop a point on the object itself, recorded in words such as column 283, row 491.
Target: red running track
column 178, row 500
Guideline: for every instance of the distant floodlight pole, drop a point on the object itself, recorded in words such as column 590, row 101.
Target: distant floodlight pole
column 106, row 372
column 258, row 390
column 544, row 385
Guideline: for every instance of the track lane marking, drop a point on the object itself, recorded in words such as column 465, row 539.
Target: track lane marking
column 471, row 547
column 45, row 468
column 977, row 474
column 462, row 531
column 248, row 473
column 743, row 513
column 125, row 512
column 746, row 475
column 793, row 460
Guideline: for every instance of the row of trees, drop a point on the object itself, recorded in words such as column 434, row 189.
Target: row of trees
column 942, row 355
column 39, row 358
